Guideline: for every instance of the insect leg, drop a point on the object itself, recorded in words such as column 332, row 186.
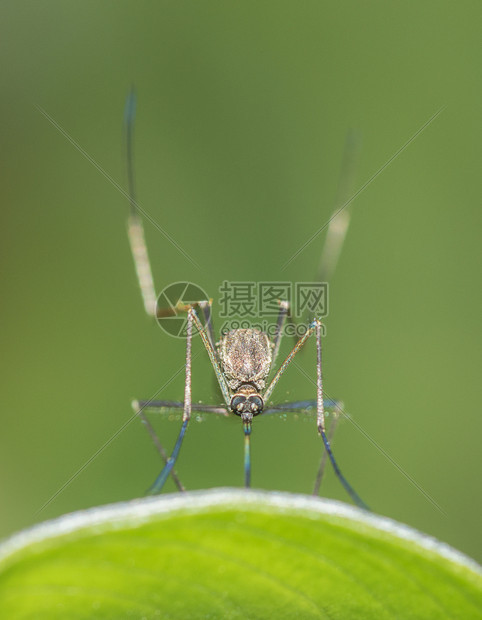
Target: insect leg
column 160, row 405
column 139, row 408
column 299, row 405
column 284, row 313
column 320, row 421
column 208, row 321
column 158, row 484
column 340, row 218
column 305, row 406
column 321, row 468
column 135, row 228
column 211, row 351
column 315, row 327
column 286, row 363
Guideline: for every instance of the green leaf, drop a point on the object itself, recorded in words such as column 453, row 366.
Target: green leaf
column 233, row 554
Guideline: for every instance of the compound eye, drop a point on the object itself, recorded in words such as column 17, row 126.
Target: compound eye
column 238, row 403
column 255, row 404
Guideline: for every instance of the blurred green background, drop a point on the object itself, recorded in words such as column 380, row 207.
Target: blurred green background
column 242, row 113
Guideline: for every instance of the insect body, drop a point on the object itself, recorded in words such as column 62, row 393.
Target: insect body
column 243, row 361
column 246, row 360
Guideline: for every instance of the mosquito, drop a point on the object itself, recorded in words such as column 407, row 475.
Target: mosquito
column 243, row 359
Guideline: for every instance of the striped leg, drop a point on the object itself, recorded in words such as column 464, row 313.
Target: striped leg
column 158, row 484
column 315, row 328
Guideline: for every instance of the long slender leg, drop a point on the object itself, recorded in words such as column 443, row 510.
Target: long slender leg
column 339, row 223
column 306, row 405
column 212, row 356
column 298, row 405
column 139, row 247
column 320, row 420
column 286, row 363
column 321, row 469
column 161, row 479
column 135, row 229
column 207, row 331
column 284, row 307
column 192, row 318
column 159, row 405
column 146, row 284
column 284, row 313
column 315, row 327
column 208, row 321
column 160, row 448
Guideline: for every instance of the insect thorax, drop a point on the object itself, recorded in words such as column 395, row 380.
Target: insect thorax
column 246, row 357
